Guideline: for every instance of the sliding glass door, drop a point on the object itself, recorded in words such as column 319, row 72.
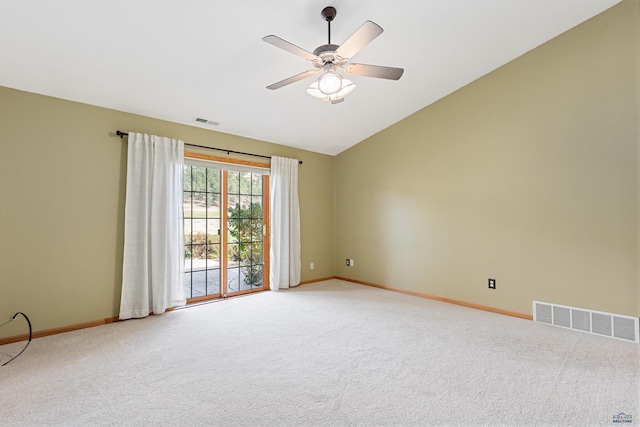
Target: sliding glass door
column 225, row 229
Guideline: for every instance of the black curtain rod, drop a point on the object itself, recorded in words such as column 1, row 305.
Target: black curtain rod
column 123, row 134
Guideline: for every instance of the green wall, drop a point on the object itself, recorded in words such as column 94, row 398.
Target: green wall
column 528, row 175
column 62, row 212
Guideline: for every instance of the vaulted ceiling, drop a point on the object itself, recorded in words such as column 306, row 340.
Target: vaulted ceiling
column 178, row 60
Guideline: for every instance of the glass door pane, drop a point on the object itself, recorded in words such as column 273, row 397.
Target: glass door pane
column 245, row 237
column 202, row 204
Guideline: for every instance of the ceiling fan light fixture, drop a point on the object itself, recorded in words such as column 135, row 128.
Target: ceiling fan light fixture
column 347, row 87
column 329, row 83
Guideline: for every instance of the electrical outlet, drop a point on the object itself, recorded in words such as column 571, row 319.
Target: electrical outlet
column 352, row 262
column 312, row 266
column 348, row 262
column 492, row 283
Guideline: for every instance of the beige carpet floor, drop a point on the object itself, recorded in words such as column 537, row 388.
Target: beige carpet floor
column 326, row 354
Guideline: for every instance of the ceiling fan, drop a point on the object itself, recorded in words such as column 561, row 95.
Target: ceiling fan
column 329, row 58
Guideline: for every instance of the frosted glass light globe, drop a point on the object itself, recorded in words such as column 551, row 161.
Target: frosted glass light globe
column 329, row 83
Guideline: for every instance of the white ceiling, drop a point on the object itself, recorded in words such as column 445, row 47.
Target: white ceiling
column 175, row 60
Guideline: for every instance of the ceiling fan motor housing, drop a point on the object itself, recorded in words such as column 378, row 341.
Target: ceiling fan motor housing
column 325, row 48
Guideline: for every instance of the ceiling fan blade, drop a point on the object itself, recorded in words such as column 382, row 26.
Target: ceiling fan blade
column 362, row 37
column 292, row 79
column 378, row 71
column 290, row 47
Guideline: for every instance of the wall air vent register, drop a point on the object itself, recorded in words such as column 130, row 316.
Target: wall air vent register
column 594, row 322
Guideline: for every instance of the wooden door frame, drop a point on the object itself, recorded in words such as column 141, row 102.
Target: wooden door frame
column 266, row 213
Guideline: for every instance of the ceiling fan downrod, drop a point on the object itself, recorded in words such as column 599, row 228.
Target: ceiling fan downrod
column 329, row 13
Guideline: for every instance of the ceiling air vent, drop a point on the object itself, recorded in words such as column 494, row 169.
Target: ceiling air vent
column 205, row 121
column 590, row 321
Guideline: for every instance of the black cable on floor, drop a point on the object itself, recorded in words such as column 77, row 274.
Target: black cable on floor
column 28, row 342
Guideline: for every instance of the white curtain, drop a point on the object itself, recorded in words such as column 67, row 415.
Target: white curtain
column 285, row 224
column 153, row 267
